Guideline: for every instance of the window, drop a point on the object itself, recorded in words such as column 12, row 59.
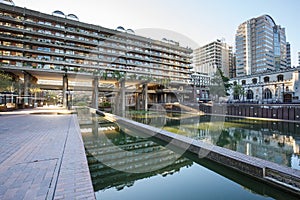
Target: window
column 266, row 79
column 280, row 78
column 267, row 94
column 243, row 82
column 254, row 81
column 249, row 94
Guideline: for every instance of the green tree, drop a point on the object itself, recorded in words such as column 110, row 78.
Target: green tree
column 6, row 82
column 238, row 91
column 219, row 85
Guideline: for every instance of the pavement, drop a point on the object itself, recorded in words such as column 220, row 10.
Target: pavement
column 42, row 156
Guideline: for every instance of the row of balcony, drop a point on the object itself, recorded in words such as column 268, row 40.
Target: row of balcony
column 52, row 57
column 104, row 48
column 29, row 63
column 91, row 37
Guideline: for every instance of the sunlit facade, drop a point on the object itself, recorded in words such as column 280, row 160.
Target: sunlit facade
column 270, row 87
column 260, row 46
column 60, row 42
column 210, row 57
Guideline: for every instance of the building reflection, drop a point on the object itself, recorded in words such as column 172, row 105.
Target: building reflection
column 111, row 154
column 277, row 142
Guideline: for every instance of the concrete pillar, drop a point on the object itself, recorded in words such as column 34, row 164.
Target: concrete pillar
column 95, row 95
column 145, row 96
column 137, row 101
column 95, row 125
column 122, row 97
column 65, row 90
column 26, row 89
column 165, row 98
column 116, row 102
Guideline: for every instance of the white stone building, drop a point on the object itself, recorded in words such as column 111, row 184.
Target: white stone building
column 270, row 87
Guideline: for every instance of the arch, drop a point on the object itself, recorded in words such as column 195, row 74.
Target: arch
column 267, row 94
column 120, row 28
column 243, row 82
column 270, row 20
column 130, row 31
column 8, row 2
column 72, row 16
column 250, row 94
column 58, row 13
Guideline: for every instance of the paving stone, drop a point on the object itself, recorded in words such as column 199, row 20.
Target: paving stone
column 37, row 158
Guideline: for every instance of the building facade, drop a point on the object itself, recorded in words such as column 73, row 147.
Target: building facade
column 260, row 46
column 271, row 87
column 59, row 47
column 214, row 55
column 298, row 58
column 288, row 55
column 200, row 83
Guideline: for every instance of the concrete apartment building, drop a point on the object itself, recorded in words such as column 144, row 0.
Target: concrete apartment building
column 214, row 55
column 56, row 50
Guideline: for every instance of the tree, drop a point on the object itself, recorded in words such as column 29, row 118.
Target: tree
column 238, row 91
column 6, row 82
column 219, row 85
column 35, row 90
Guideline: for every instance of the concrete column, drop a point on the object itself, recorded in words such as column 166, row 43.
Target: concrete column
column 116, row 100
column 145, row 96
column 95, row 125
column 122, row 97
column 95, row 95
column 165, row 98
column 26, row 89
column 137, row 101
column 65, row 90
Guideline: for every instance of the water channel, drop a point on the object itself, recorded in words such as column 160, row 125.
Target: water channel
column 129, row 166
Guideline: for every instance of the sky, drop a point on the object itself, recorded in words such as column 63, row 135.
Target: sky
column 193, row 23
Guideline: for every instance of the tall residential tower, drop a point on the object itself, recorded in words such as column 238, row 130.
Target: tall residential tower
column 260, row 46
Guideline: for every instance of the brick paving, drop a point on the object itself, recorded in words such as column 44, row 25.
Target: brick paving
column 42, row 157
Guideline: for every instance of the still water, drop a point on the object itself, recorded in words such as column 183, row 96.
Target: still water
column 124, row 165
column 275, row 141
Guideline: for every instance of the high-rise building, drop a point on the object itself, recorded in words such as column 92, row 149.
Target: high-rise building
column 214, row 55
column 260, row 46
column 298, row 58
column 288, row 55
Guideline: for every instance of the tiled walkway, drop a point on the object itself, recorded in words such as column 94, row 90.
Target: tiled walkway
column 42, row 157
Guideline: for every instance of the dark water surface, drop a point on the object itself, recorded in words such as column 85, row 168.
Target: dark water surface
column 124, row 165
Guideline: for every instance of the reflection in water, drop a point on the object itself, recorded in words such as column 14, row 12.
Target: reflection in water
column 274, row 141
column 182, row 179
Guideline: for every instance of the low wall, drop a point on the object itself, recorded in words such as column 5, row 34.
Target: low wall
column 274, row 111
column 279, row 176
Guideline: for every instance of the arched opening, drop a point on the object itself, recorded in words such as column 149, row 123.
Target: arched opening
column 250, row 94
column 267, row 94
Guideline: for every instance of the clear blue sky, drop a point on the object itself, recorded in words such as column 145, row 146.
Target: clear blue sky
column 202, row 21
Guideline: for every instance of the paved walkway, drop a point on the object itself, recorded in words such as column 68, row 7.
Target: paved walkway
column 42, row 157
